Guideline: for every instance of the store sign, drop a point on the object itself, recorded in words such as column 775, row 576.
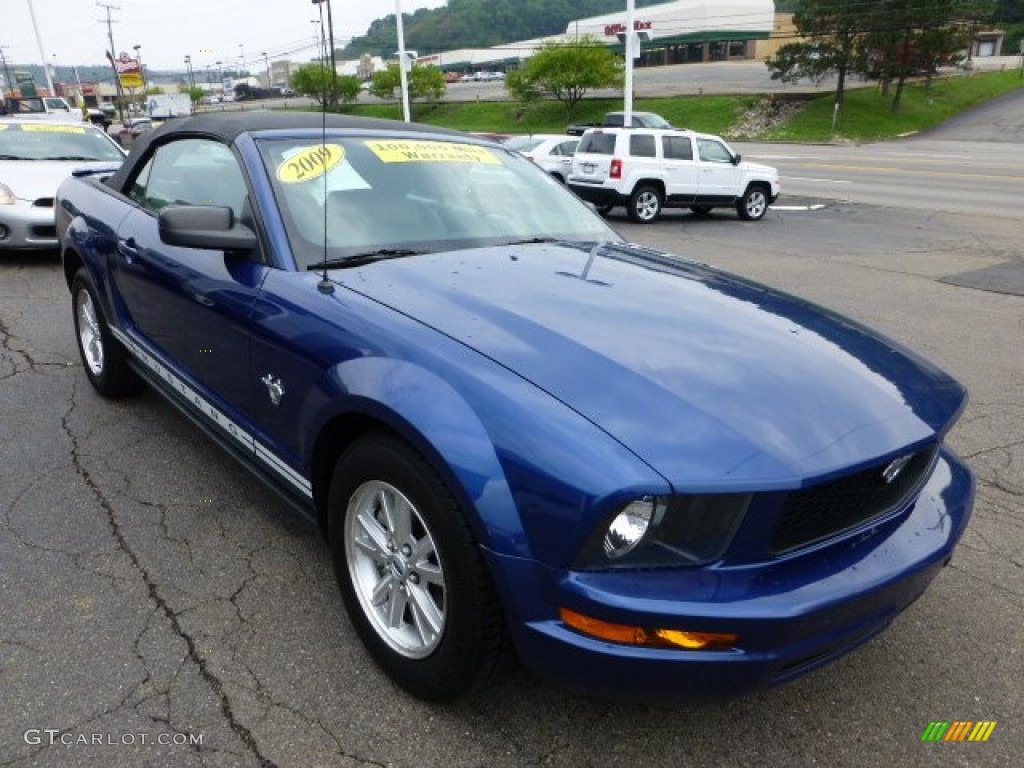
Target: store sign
column 611, row 30
column 128, row 71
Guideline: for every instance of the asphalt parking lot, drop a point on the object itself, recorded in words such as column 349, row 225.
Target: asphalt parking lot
column 152, row 596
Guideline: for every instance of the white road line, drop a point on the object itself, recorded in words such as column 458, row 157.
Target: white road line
column 826, row 181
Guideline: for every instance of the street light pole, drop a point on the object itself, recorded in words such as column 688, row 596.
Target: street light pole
column 39, row 43
column 266, row 62
column 402, row 62
column 627, row 117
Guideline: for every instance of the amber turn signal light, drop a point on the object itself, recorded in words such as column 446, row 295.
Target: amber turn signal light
column 655, row 638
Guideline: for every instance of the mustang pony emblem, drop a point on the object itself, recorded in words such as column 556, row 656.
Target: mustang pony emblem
column 274, row 388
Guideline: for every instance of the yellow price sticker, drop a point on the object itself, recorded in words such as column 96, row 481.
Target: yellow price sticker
column 430, row 152
column 50, row 128
column 310, row 163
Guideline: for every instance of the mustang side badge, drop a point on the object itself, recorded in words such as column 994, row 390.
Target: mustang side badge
column 274, row 388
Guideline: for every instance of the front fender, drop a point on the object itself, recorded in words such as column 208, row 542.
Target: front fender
column 431, row 415
column 533, row 475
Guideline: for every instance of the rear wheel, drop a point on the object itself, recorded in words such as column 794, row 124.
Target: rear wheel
column 411, row 575
column 104, row 359
column 645, row 204
column 604, row 210
column 753, row 205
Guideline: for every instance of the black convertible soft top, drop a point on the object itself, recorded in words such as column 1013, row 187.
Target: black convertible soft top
column 228, row 126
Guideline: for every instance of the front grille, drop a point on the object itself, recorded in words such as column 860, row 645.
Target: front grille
column 43, row 202
column 825, row 510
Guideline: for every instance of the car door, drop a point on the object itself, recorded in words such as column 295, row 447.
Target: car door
column 189, row 305
column 720, row 179
column 681, row 172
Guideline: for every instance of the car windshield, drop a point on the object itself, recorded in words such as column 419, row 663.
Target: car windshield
column 55, row 141
column 359, row 197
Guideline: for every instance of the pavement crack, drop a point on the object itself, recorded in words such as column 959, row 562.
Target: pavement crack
column 214, row 682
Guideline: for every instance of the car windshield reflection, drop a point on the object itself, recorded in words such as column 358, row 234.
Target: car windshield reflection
column 360, row 199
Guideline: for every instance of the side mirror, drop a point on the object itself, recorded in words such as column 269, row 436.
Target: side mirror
column 204, row 226
column 736, row 159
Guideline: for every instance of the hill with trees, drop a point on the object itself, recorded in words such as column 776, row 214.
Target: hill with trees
column 478, row 24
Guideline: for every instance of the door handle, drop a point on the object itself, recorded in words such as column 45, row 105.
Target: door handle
column 128, row 249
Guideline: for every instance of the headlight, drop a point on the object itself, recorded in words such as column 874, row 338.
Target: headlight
column 664, row 531
column 6, row 196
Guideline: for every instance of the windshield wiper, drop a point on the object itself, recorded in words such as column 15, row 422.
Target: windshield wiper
column 73, row 157
column 359, row 259
column 15, row 157
column 536, row 241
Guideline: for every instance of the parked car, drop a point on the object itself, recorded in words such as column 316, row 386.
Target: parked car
column 34, row 158
column 647, row 474
column 133, row 128
column 618, row 120
column 647, row 170
column 552, row 152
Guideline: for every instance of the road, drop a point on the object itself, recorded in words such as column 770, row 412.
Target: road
column 149, row 590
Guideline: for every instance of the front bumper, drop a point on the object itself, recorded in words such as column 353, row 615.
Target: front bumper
column 24, row 225
column 792, row 614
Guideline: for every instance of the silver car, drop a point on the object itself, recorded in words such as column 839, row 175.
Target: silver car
column 35, row 156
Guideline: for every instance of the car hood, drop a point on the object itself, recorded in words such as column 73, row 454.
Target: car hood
column 712, row 380
column 759, row 169
column 33, row 179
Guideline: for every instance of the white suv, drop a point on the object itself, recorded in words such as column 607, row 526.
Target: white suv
column 648, row 169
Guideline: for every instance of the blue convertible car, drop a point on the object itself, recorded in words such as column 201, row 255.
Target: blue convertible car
column 515, row 429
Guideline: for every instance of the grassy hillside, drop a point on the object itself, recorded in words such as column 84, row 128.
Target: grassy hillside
column 866, row 117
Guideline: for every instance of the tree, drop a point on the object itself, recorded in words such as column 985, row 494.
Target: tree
column 195, row 93
column 916, row 37
column 313, row 80
column 349, row 87
column 833, row 29
column 424, row 83
column 567, row 71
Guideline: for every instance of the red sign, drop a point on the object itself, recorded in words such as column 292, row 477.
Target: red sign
column 616, row 29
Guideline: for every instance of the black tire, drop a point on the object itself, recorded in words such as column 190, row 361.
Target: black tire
column 104, row 359
column 754, row 203
column 645, row 204
column 392, row 588
column 558, row 177
column 604, row 210
column 701, row 210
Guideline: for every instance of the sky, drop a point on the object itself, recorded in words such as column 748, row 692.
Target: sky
column 74, row 32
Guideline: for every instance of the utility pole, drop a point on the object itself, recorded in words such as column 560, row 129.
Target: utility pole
column 8, row 83
column 330, row 38
column 111, row 54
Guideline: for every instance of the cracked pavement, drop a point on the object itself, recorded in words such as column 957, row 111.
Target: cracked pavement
column 148, row 586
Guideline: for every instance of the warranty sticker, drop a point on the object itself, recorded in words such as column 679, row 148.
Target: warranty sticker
column 430, row 152
column 310, row 163
column 49, row 128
